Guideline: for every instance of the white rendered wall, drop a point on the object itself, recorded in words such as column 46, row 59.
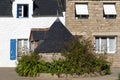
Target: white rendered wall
column 19, row 28
column 15, row 28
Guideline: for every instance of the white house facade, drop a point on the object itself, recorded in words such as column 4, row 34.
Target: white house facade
column 15, row 27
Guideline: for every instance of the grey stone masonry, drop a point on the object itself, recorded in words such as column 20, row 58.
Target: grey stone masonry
column 95, row 24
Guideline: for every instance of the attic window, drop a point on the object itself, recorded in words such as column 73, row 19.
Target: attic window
column 81, row 10
column 22, row 10
column 109, row 11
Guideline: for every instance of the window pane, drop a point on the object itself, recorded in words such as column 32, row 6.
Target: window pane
column 112, row 43
column 22, row 47
column 96, row 44
column 25, row 42
column 25, row 45
column 103, row 44
column 25, row 11
column 22, row 10
column 19, row 45
column 19, row 10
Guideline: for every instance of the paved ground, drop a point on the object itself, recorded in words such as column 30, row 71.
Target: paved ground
column 10, row 74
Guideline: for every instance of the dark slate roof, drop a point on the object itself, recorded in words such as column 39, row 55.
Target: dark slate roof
column 48, row 7
column 41, row 7
column 64, row 5
column 38, row 35
column 5, row 8
column 56, row 39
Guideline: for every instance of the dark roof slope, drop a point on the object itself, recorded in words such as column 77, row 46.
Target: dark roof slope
column 41, row 7
column 48, row 7
column 5, row 8
column 38, row 35
column 63, row 4
column 56, row 39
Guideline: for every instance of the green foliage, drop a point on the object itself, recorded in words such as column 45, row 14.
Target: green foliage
column 43, row 66
column 57, row 67
column 79, row 59
column 28, row 65
column 101, row 65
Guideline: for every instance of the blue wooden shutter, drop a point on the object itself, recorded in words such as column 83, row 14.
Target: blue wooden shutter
column 13, row 49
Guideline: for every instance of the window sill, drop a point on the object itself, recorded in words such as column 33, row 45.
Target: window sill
column 105, row 53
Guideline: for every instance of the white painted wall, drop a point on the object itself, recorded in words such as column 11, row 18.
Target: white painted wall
column 16, row 28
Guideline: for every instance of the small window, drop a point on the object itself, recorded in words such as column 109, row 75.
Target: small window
column 81, row 11
column 109, row 11
column 105, row 44
column 22, row 10
column 22, row 47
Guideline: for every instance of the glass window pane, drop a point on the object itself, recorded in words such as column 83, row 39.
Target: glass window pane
column 96, row 44
column 103, row 44
column 25, row 11
column 22, row 47
column 19, row 45
column 112, row 43
column 19, row 11
column 25, row 43
column 22, row 10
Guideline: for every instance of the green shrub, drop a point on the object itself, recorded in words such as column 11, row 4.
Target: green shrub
column 57, row 67
column 28, row 65
column 80, row 55
column 79, row 59
column 101, row 65
column 43, row 66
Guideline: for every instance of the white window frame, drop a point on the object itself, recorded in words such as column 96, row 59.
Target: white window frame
column 108, row 50
column 22, row 46
column 109, row 10
column 30, row 6
column 81, row 10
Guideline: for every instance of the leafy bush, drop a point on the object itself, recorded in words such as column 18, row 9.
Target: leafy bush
column 81, row 57
column 28, row 65
column 101, row 65
column 57, row 67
